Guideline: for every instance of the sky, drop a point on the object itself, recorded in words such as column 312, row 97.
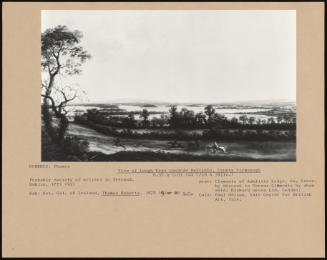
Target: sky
column 184, row 55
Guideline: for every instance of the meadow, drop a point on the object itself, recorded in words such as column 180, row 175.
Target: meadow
column 186, row 132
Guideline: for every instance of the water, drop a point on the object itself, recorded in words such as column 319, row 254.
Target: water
column 233, row 111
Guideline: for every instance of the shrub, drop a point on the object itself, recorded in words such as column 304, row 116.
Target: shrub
column 75, row 146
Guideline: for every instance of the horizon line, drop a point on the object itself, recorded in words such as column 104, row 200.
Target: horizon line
column 184, row 102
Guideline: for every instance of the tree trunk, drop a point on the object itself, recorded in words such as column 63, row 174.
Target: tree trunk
column 47, row 120
column 46, row 115
column 63, row 126
column 57, row 134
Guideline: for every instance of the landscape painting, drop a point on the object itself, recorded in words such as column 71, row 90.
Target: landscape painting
column 168, row 85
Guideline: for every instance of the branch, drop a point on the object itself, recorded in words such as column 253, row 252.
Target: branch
column 53, row 104
column 63, row 103
column 65, row 111
column 43, row 85
column 54, row 71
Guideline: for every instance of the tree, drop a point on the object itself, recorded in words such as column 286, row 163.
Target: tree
column 279, row 119
column 130, row 121
column 61, row 54
column 234, row 120
column 155, row 122
column 287, row 118
column 218, row 120
column 145, row 115
column 251, row 120
column 200, row 119
column 209, row 111
column 244, row 119
column 186, row 117
column 271, row 120
column 163, row 120
column 173, row 116
column 92, row 114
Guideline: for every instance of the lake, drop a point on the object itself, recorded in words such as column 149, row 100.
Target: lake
column 228, row 111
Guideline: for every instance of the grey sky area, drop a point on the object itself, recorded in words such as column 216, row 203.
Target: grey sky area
column 184, row 56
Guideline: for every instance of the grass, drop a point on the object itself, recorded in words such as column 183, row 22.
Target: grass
column 160, row 156
column 204, row 134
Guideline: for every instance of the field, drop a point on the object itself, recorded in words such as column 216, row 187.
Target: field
column 283, row 151
column 259, row 110
column 275, row 142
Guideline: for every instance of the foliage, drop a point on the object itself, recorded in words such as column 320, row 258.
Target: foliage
column 184, row 119
column 206, row 134
column 145, row 115
column 60, row 54
column 73, row 149
column 60, row 51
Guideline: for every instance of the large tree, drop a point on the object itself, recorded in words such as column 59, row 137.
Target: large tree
column 200, row 119
column 145, row 115
column 173, row 116
column 61, row 54
column 244, row 119
column 209, row 111
column 251, row 120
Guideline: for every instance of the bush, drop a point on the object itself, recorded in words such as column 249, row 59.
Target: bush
column 75, row 146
